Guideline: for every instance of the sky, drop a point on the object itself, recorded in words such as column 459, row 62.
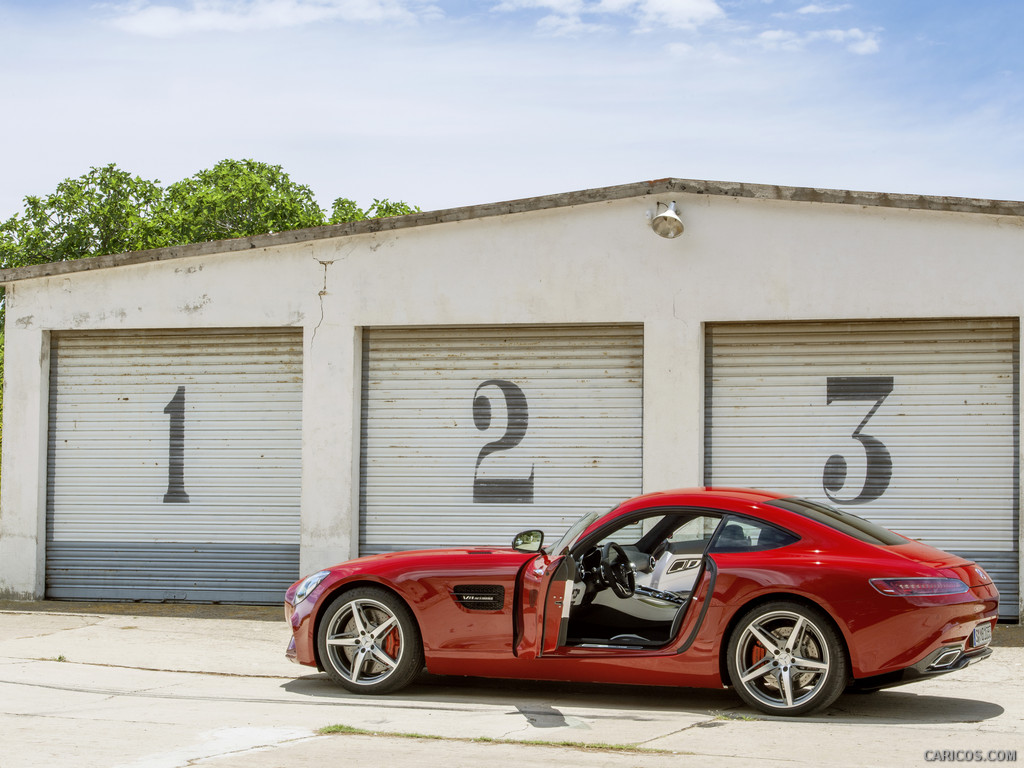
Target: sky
column 449, row 103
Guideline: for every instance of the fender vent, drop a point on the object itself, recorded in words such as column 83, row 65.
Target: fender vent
column 480, row 597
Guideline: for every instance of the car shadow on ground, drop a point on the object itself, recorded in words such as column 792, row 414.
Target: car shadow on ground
column 904, row 706
column 537, row 699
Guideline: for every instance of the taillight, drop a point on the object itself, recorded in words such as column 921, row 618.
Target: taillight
column 914, row 587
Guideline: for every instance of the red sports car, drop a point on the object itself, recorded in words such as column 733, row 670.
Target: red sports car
column 788, row 601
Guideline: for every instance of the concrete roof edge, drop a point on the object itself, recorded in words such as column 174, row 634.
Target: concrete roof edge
column 666, row 186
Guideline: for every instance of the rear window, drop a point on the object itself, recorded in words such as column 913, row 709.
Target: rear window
column 851, row 525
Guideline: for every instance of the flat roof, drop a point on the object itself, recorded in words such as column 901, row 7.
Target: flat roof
column 544, row 202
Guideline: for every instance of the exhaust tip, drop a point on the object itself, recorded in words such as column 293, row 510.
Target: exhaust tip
column 946, row 658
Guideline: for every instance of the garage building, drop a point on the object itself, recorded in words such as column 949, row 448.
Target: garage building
column 207, row 422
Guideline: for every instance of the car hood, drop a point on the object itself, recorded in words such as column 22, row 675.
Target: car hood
column 396, row 567
column 438, row 555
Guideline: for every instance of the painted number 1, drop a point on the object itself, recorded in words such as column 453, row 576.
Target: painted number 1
column 176, row 450
column 502, row 490
column 879, row 462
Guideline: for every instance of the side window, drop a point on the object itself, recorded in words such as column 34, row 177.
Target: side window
column 750, row 536
column 685, row 532
column 677, row 552
column 696, row 529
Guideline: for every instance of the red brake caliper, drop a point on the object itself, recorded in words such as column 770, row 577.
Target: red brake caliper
column 392, row 643
column 757, row 653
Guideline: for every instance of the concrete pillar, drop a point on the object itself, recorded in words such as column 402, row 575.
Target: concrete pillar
column 673, row 441
column 23, row 502
column 330, row 442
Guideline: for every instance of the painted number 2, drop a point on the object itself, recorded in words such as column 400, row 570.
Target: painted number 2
column 879, row 462
column 502, row 490
column 176, row 450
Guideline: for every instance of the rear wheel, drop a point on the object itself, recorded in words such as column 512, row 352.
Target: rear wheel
column 369, row 642
column 786, row 659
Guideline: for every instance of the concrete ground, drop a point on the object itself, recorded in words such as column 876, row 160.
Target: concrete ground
column 137, row 686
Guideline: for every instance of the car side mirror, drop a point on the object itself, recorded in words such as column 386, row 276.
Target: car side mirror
column 528, row 541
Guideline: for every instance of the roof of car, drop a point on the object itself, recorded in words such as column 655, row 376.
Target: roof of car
column 677, row 495
column 693, row 497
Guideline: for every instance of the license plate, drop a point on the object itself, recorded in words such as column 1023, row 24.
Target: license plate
column 982, row 635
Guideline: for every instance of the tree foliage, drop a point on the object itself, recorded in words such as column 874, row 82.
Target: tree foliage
column 235, row 198
column 345, row 210
column 105, row 211
column 108, row 210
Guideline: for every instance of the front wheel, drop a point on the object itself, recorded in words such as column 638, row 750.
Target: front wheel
column 369, row 641
column 786, row 659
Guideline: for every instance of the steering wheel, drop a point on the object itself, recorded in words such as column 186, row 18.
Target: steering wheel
column 617, row 570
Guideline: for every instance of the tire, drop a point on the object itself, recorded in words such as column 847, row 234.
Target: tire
column 369, row 641
column 780, row 676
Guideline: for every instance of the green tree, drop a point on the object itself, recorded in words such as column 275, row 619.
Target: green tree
column 109, row 210
column 235, row 198
column 105, row 211
column 345, row 210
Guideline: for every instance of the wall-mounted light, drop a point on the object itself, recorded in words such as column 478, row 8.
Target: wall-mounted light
column 667, row 223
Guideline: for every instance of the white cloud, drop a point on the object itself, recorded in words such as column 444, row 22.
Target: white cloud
column 782, row 39
column 855, row 40
column 680, row 50
column 153, row 19
column 560, row 7
column 680, row 14
column 814, row 8
column 709, row 54
column 645, row 14
column 569, row 25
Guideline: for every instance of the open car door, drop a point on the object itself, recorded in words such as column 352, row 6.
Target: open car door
column 545, row 596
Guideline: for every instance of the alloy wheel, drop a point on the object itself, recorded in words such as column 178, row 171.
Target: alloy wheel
column 782, row 661
column 365, row 641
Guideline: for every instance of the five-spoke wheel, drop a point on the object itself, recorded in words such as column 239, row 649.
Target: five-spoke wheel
column 786, row 658
column 369, row 641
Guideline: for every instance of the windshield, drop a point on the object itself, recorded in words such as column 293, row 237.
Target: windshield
column 573, row 533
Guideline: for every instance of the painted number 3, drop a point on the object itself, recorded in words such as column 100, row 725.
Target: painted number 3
column 501, row 490
column 879, row 462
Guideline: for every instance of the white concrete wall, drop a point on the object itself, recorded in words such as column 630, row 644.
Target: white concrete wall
column 739, row 259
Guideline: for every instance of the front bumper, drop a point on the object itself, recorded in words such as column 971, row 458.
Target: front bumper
column 301, row 644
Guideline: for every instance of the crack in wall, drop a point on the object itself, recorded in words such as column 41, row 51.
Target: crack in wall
column 321, row 294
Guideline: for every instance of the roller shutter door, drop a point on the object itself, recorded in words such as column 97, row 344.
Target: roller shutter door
column 473, row 434
column 912, row 424
column 174, row 465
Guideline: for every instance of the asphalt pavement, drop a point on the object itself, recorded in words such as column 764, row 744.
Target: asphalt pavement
column 168, row 686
